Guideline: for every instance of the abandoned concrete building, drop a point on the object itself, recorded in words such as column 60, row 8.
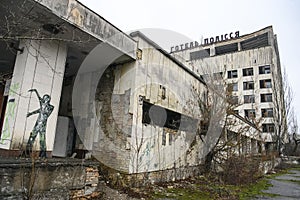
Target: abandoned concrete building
column 250, row 66
column 119, row 97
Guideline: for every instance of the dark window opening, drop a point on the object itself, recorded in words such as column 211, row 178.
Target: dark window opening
column 250, row 113
column 232, row 74
column 266, row 97
column 164, row 138
column 267, row 112
column 233, row 100
column 218, row 75
column 248, row 85
column 204, row 53
column 229, row 48
column 268, row 128
column 265, row 69
column 248, row 72
column 255, row 42
column 249, row 99
column 265, row 83
column 232, row 87
column 163, row 92
column 162, row 117
column 3, row 103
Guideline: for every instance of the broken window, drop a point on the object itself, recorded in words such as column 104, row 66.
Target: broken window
column 163, row 92
column 229, row 48
column 268, row 128
column 204, row 53
column 248, row 72
column 249, row 99
column 250, row 113
column 264, row 69
column 164, row 138
column 265, row 83
column 249, row 85
column 218, row 75
column 266, row 97
column 232, row 87
column 159, row 116
column 255, row 42
column 232, row 74
column 233, row 100
column 267, row 112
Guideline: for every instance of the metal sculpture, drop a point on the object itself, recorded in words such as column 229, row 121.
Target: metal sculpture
column 44, row 112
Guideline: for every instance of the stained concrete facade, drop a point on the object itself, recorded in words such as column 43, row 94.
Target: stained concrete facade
column 240, row 62
column 40, row 66
column 126, row 140
column 43, row 50
column 130, row 108
column 136, row 109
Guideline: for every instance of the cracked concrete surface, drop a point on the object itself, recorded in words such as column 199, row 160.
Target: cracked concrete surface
column 286, row 186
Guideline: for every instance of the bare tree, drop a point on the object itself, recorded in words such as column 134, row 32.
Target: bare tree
column 282, row 100
column 233, row 140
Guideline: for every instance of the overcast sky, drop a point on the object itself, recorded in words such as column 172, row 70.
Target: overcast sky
column 196, row 18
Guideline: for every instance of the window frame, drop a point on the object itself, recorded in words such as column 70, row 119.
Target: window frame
column 232, row 87
column 232, row 73
column 268, row 128
column 263, row 70
column 268, row 111
column 248, row 71
column 250, row 113
column 247, row 84
column 251, row 96
column 265, row 98
column 265, row 83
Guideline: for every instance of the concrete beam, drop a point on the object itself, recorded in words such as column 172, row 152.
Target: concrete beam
column 88, row 21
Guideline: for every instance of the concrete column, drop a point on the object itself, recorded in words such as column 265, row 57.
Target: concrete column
column 212, row 50
column 239, row 46
column 41, row 66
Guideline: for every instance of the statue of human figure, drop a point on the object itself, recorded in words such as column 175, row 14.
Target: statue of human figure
column 44, row 112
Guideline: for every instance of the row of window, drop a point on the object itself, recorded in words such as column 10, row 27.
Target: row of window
column 249, row 85
column 265, row 112
column 266, row 69
column 251, row 98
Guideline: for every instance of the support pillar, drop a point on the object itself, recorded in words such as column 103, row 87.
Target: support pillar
column 40, row 66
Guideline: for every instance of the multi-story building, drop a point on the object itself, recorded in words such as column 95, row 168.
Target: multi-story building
column 250, row 65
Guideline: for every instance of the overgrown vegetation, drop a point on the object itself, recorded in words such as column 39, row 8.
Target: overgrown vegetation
column 211, row 186
column 241, row 170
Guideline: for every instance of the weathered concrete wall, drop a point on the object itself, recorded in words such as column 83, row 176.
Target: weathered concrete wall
column 156, row 72
column 120, row 140
column 259, row 55
column 240, row 60
column 115, row 121
column 55, row 179
column 82, row 17
column 41, row 66
column 116, row 179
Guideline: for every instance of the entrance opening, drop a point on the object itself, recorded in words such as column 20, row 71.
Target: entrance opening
column 7, row 62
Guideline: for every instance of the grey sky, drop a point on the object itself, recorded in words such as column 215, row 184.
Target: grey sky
column 194, row 18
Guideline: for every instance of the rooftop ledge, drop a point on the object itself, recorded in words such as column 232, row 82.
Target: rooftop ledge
column 75, row 13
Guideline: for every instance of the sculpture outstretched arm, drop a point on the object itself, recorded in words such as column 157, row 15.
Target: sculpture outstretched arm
column 36, row 92
column 33, row 112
